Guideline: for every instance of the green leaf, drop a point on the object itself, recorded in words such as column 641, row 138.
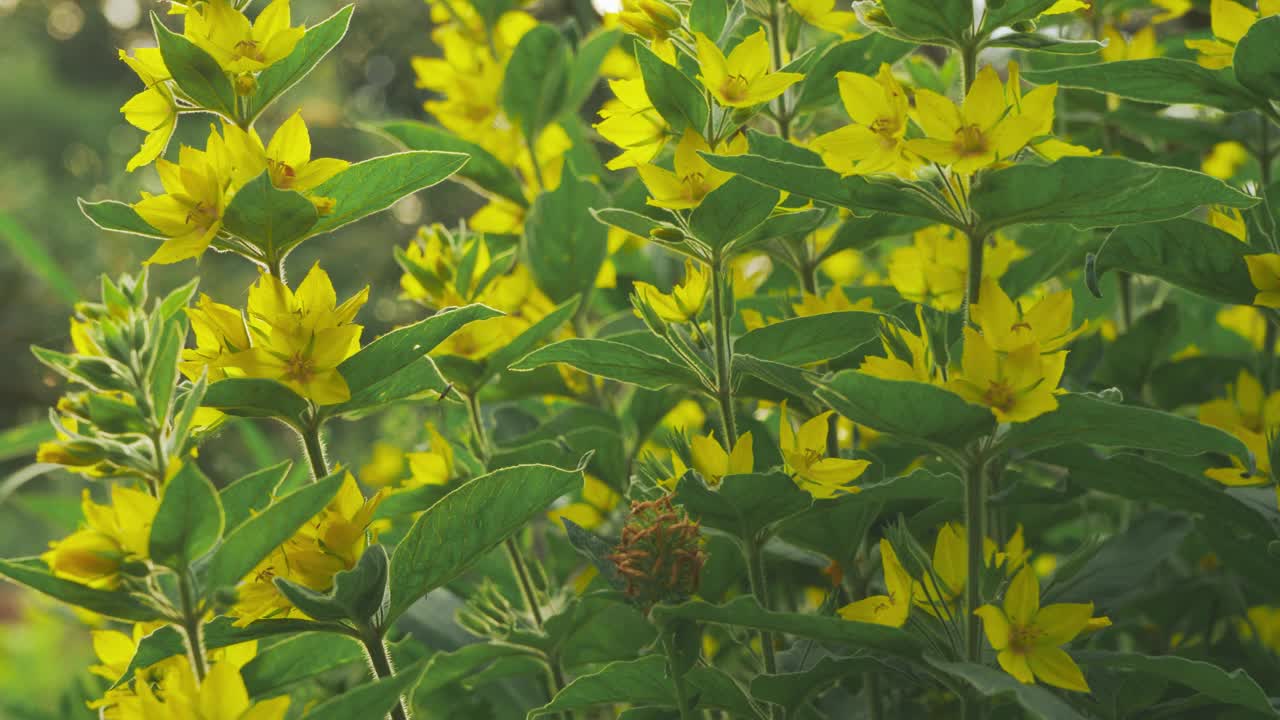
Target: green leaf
column 1155, row 80
column 1090, row 192
column 310, row 50
column 195, row 71
column 910, row 410
column 536, row 85
column 1090, row 420
column 835, row 526
column 359, row 594
column 446, row 668
column 790, row 690
column 375, row 184
column 34, row 574
column 676, row 98
column 820, row 184
column 469, row 522
column 563, row 244
column 374, row 699
column 396, row 366
column 732, row 211
column 37, row 259
column 1256, row 63
column 1035, row 699
column 499, row 360
column 116, row 216
column 1232, row 688
column 1120, row 571
column 1004, row 14
column 1189, row 254
column 863, row 55
column 485, row 173
column 1035, row 42
column 271, row 219
column 642, row 681
column 252, row 493
column 812, row 339
column 708, row 16
column 245, row 546
column 584, row 71
column 1143, row 480
column 189, row 521
column 256, row 397
column 779, row 225
column 298, row 658
column 613, row 360
column 746, row 612
column 945, row 22
column 745, row 506
column 1130, row 358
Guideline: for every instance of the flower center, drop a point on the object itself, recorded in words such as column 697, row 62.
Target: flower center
column 299, row 368
column 1000, row 395
column 202, row 216
column 282, row 174
column 1022, row 638
column 249, row 49
column 735, row 87
column 969, row 140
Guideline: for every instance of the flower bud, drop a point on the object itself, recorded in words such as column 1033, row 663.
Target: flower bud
column 659, row 554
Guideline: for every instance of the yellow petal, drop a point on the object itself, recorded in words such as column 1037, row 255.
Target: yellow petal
column 1022, row 599
column 1055, row 667
column 1060, row 623
column 996, row 626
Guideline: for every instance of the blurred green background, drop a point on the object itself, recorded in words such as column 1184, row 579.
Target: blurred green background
column 63, row 138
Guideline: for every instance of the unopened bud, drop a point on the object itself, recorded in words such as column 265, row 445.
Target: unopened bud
column 659, row 554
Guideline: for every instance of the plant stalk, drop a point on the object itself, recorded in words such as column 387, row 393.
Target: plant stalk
column 724, row 380
column 315, row 450
column 755, row 574
column 682, row 693
column 975, row 519
column 192, row 626
column 973, row 281
column 380, row 662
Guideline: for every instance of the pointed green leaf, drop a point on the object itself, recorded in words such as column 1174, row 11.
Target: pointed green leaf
column 256, row 397
column 745, row 506
column 1155, row 80
column 676, row 98
column 189, row 521
column 563, row 244
column 910, row 410
column 1235, row 687
column 613, row 360
column 375, row 184
column 536, row 85
column 33, row 573
column 1192, row 255
column 116, row 216
column 1039, row 703
column 252, row 493
column 195, row 71
column 946, row 22
column 310, row 50
column 296, row 659
column 485, row 173
column 1256, row 63
column 374, row 699
column 271, row 219
column 811, row 339
column 731, row 211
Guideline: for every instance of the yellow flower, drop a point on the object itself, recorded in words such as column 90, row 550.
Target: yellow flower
column 1246, row 321
column 1028, row 638
column 1017, row 386
column 833, row 301
column 685, row 300
column 476, row 340
column 1225, row 160
column 933, row 269
column 1230, row 221
column 216, row 27
column 598, row 500
column 300, row 338
column 940, row 590
column 1264, row 271
column 386, row 466
column 434, row 467
column 220, row 696
column 287, row 158
column 196, row 192
column 805, row 454
column 631, row 122
column 822, row 14
column 1266, row 620
column 890, row 609
column 1249, row 414
column 917, row 365
column 113, row 534
column 713, row 462
column 1171, row 10
column 154, row 109
column 743, row 78
column 693, row 177
column 875, row 142
column 1037, row 106
column 982, row 131
column 651, row 19
column 220, row 332
column 1062, row 7
column 1230, row 21
column 1140, row 46
column 1006, row 327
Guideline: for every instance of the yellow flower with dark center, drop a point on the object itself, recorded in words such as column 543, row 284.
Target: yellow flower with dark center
column 876, row 141
column 1230, row 22
column 685, row 300
column 984, row 130
column 300, row 338
column 286, row 159
column 1028, row 638
column 805, row 455
column 197, row 190
column 220, row 332
column 631, row 122
column 154, row 109
column 113, row 534
column 713, row 462
column 1006, row 327
column 742, row 79
column 1017, row 386
column 891, row 608
column 221, row 695
column 693, row 177
column 239, row 46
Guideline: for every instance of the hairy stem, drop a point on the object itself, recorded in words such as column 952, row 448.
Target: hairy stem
column 755, row 574
column 192, row 625
column 314, row 447
column 723, row 350
column 677, row 679
column 973, row 281
column 975, row 519
column 380, row 662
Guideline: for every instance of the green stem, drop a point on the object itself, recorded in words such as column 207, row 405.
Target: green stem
column 875, row 703
column 1124, row 281
column 755, row 574
column 975, row 519
column 968, row 66
column 555, row 676
column 477, row 427
column 724, row 381
column 192, row 626
column 677, row 679
column 776, row 29
column 973, row 281
column 380, row 662
column 315, row 450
